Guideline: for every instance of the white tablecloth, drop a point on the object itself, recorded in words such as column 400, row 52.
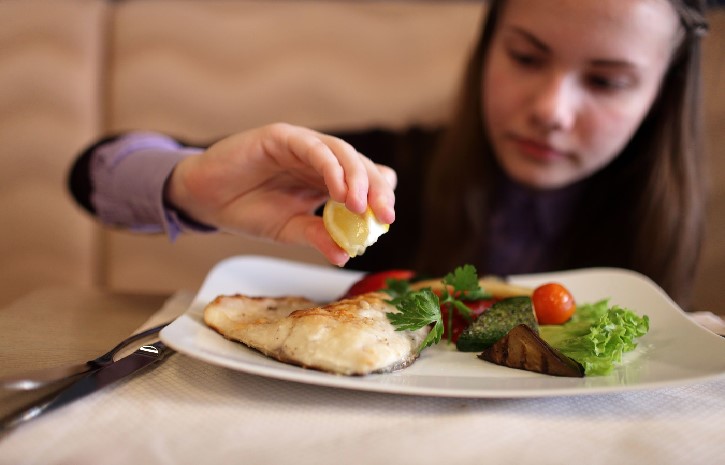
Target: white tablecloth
column 186, row 412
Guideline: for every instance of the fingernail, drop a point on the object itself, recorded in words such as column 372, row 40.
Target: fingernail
column 390, row 215
column 387, row 212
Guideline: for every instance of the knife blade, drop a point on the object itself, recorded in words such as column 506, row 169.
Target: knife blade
column 91, row 382
column 38, row 378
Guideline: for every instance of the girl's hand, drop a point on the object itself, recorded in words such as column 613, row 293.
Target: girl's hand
column 268, row 182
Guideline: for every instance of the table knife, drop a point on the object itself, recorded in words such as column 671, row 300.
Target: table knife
column 95, row 380
column 45, row 376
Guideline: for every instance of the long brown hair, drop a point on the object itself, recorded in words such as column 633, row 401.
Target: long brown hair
column 644, row 211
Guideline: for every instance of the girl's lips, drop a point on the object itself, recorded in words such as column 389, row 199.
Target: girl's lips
column 537, row 150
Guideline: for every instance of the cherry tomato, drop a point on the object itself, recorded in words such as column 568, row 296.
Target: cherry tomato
column 477, row 307
column 376, row 281
column 553, row 304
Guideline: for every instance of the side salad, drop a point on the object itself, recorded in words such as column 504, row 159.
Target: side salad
column 597, row 335
column 540, row 330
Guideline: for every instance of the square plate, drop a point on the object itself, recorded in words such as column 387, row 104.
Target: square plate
column 675, row 351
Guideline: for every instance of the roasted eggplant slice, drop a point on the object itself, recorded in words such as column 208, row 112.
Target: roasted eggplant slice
column 522, row 348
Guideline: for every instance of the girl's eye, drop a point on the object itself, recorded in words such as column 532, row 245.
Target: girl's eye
column 529, row 60
column 610, row 83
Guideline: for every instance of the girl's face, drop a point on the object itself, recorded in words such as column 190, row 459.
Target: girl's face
column 568, row 82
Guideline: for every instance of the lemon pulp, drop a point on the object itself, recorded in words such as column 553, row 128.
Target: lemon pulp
column 351, row 231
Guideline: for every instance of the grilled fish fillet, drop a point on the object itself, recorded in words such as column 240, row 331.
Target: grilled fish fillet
column 347, row 337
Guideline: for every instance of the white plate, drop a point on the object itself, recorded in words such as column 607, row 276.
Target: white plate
column 675, row 351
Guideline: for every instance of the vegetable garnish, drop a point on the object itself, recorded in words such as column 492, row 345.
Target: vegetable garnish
column 418, row 309
column 597, row 335
column 378, row 281
column 423, row 307
column 553, row 304
column 396, row 288
column 495, row 322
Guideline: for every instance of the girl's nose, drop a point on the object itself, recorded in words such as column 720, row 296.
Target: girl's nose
column 555, row 104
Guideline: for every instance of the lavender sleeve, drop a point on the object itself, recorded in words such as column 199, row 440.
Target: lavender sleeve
column 127, row 177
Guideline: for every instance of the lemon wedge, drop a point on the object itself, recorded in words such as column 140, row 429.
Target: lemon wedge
column 351, row 231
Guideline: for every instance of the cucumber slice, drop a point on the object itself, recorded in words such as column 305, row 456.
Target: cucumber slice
column 495, row 322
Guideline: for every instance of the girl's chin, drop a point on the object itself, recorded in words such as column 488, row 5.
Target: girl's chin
column 538, row 174
column 541, row 179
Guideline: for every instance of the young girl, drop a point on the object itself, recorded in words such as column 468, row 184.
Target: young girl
column 594, row 106
column 576, row 142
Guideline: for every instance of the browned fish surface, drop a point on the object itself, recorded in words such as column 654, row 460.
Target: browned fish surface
column 348, row 337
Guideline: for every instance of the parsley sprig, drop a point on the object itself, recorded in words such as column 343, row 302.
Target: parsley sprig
column 419, row 308
column 463, row 282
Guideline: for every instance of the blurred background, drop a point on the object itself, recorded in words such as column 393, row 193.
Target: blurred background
column 73, row 70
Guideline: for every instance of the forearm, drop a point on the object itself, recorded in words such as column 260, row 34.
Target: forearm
column 121, row 181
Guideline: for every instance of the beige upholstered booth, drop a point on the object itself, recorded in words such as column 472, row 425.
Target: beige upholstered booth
column 71, row 70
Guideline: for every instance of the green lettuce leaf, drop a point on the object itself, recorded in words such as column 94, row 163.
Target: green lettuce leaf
column 597, row 335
